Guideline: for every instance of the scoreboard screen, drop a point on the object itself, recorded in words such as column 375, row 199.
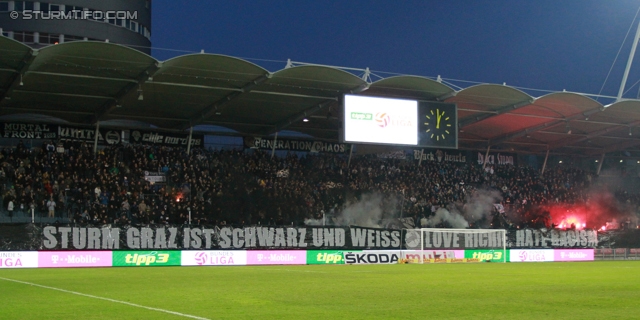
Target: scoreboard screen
column 377, row 120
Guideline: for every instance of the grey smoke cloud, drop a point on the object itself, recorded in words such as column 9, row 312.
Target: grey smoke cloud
column 368, row 211
column 371, row 208
column 479, row 205
column 454, row 219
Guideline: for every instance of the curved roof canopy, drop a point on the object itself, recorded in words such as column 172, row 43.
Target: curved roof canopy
column 85, row 82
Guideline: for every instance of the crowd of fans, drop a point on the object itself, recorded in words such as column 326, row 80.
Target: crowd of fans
column 241, row 187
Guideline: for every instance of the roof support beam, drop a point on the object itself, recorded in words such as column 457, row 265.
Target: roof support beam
column 310, row 111
column 46, row 111
column 471, row 120
column 16, row 80
column 231, row 123
column 72, row 95
column 80, row 76
column 549, row 124
column 195, row 86
column 143, row 77
column 156, row 118
column 292, row 95
column 598, row 133
column 218, row 105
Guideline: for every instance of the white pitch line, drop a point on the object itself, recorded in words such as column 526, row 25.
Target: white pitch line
column 107, row 299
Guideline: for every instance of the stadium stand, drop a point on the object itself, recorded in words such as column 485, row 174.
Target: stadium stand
column 114, row 83
column 219, row 187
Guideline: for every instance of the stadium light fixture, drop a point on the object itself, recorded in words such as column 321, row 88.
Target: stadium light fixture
column 305, row 120
column 560, row 161
column 621, row 160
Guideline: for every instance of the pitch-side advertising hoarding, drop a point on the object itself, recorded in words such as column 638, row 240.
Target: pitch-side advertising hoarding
column 214, row 258
column 74, row 259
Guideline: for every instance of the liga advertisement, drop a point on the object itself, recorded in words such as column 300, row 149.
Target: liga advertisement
column 214, row 258
column 540, row 255
column 18, row 259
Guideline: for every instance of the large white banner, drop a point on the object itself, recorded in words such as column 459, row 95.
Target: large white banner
column 214, row 258
column 18, row 259
column 380, row 120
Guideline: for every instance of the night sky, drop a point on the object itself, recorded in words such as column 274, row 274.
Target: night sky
column 543, row 44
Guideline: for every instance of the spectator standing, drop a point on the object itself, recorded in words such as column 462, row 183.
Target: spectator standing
column 51, row 205
column 10, row 207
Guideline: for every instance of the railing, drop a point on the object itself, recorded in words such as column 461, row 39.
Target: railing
column 617, row 254
column 37, row 216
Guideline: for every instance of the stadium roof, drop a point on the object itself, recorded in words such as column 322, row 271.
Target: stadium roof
column 84, row 82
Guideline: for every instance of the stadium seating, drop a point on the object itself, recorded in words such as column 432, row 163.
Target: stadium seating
column 249, row 187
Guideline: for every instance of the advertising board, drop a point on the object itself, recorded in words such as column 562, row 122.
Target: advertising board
column 214, row 258
column 325, row 257
column 573, row 255
column 74, row 259
column 18, row 259
column 486, row 255
column 372, row 257
column 432, row 254
column 540, row 255
column 146, row 258
column 259, row 257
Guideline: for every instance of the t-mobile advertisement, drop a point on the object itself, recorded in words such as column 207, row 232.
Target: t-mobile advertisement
column 573, row 255
column 214, row 258
column 255, row 257
column 74, row 259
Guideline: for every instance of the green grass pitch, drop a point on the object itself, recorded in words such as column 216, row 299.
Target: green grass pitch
column 592, row 290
